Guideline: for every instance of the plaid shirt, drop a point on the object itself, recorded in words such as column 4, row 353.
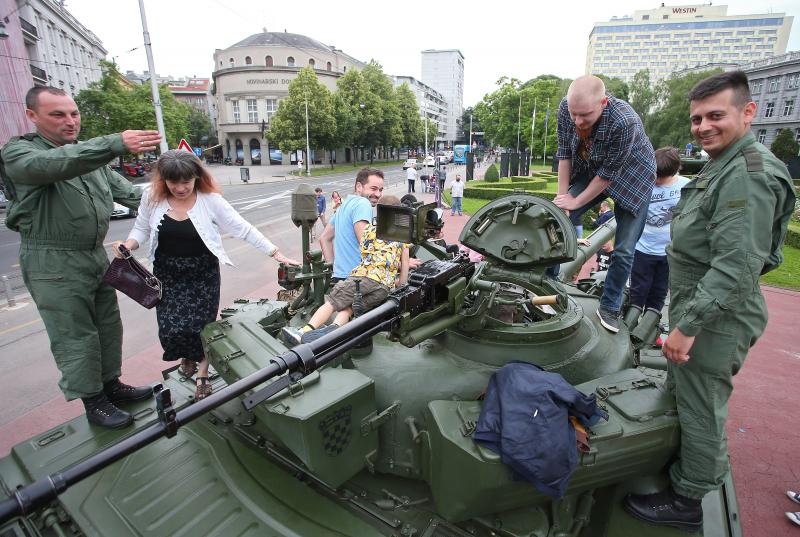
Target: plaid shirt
column 618, row 151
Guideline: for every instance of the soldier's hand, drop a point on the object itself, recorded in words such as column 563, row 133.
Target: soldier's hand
column 676, row 347
column 140, row 141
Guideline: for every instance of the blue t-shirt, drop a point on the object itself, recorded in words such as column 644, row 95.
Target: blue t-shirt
column 321, row 204
column 346, row 246
column 656, row 236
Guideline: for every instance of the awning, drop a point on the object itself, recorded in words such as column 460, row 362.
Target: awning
column 212, row 147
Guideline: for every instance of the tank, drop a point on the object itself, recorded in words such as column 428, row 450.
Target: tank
column 368, row 431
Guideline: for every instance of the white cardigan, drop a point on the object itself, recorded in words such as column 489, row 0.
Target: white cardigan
column 210, row 214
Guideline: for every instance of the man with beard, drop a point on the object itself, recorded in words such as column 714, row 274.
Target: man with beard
column 341, row 240
column 603, row 151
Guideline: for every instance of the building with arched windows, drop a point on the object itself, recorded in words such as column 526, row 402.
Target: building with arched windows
column 252, row 76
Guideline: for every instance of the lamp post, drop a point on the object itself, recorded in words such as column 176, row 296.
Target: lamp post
column 308, row 145
column 425, row 152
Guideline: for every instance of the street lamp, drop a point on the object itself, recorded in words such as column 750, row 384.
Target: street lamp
column 308, row 146
column 425, row 152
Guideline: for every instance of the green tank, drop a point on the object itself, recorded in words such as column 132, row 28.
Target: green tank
column 368, row 431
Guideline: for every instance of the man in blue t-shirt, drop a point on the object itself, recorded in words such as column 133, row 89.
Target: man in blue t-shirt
column 341, row 240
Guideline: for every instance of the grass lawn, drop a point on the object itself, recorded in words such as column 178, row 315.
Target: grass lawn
column 788, row 274
column 327, row 170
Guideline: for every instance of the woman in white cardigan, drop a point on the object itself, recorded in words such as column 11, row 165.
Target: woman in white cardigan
column 182, row 215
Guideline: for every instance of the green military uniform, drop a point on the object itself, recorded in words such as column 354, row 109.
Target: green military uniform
column 61, row 198
column 727, row 230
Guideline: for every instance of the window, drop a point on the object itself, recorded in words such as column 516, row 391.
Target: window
column 762, row 135
column 774, row 84
column 645, row 17
column 769, row 111
column 793, row 81
column 271, row 108
column 756, row 85
column 236, row 117
column 268, row 61
column 311, row 62
column 290, row 61
column 231, row 62
column 664, row 16
column 252, row 111
column 788, row 107
column 328, row 66
column 248, row 60
column 797, row 135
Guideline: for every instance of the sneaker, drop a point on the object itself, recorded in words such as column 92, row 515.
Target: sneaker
column 794, row 496
column 794, row 517
column 100, row 411
column 291, row 335
column 118, row 392
column 609, row 320
column 666, row 508
column 313, row 335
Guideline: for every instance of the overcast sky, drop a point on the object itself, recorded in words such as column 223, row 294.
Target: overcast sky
column 520, row 39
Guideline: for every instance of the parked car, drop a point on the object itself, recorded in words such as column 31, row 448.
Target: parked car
column 409, row 163
column 443, row 157
column 429, row 161
column 120, row 211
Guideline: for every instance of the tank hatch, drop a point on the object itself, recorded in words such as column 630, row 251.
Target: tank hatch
column 521, row 231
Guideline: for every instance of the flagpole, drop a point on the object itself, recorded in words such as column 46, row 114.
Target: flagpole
column 546, row 121
column 519, row 121
column 533, row 128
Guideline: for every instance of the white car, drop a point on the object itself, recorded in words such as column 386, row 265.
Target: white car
column 429, row 161
column 410, row 163
column 120, row 211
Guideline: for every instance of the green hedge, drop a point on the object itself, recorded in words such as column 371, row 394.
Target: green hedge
column 530, row 184
column 492, row 174
column 793, row 237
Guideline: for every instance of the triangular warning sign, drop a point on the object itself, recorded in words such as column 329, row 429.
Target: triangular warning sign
column 185, row 146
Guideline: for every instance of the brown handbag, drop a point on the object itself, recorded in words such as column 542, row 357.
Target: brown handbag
column 128, row 276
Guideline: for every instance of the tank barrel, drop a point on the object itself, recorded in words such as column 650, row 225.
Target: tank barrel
column 597, row 239
column 305, row 358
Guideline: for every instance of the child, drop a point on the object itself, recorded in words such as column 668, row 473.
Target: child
column 320, row 205
column 650, row 272
column 383, row 265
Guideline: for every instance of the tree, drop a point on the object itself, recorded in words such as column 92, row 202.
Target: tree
column 288, row 125
column 411, row 125
column 387, row 130
column 469, row 118
column 200, row 131
column 354, row 109
column 615, row 86
column 785, row 147
column 643, row 95
column 668, row 125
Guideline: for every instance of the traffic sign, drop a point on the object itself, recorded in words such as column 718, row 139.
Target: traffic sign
column 184, row 145
column 198, row 151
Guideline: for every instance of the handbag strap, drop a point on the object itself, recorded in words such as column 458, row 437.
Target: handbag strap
column 137, row 267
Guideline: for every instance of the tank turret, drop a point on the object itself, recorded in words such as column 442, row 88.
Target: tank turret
column 333, row 437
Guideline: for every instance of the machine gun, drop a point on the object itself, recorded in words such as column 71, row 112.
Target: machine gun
column 428, row 289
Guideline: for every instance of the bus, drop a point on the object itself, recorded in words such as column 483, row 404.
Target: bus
column 460, row 154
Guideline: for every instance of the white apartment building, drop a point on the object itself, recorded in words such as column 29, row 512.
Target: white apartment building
column 443, row 70
column 672, row 38
column 431, row 103
column 62, row 52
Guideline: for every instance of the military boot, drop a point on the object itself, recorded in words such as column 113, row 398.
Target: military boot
column 666, row 508
column 117, row 392
column 100, row 411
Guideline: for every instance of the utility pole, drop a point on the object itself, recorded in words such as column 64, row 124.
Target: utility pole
column 470, row 132
column 425, row 153
column 153, row 82
column 519, row 121
column 308, row 146
column 533, row 128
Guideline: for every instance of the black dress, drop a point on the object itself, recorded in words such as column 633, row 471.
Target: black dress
column 189, row 274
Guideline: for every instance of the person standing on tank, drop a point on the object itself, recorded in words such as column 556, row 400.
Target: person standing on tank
column 61, row 194
column 183, row 216
column 727, row 229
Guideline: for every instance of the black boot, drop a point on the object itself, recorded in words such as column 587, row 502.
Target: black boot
column 100, row 411
column 118, row 392
column 666, row 508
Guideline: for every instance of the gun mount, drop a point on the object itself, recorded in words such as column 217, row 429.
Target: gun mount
column 330, row 438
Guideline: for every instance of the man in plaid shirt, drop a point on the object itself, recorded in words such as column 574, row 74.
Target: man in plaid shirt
column 603, row 151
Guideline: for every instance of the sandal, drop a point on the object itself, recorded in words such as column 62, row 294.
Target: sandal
column 188, row 367
column 204, row 388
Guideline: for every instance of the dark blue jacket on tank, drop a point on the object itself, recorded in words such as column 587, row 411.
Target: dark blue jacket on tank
column 525, row 419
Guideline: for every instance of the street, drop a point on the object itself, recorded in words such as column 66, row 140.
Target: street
column 29, row 374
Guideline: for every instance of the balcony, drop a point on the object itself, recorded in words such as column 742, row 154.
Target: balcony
column 29, row 32
column 39, row 76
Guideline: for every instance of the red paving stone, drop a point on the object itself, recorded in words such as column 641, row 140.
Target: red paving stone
column 762, row 428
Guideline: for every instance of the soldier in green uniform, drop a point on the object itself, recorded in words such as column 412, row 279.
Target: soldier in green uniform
column 727, row 230
column 61, row 195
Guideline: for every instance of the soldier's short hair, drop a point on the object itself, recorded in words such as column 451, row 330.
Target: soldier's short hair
column 668, row 162
column 736, row 80
column 32, row 97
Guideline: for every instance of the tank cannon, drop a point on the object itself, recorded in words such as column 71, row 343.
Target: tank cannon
column 336, row 438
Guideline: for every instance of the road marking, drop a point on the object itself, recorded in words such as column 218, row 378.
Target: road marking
column 259, row 203
column 19, row 326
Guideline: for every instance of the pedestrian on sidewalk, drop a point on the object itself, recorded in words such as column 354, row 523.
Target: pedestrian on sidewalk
column 456, row 195
column 183, row 216
column 603, row 151
column 411, row 176
column 727, row 229
column 61, row 193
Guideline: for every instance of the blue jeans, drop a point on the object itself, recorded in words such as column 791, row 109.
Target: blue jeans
column 629, row 229
column 456, row 206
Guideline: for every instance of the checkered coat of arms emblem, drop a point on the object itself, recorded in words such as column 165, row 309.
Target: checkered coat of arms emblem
column 336, row 430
